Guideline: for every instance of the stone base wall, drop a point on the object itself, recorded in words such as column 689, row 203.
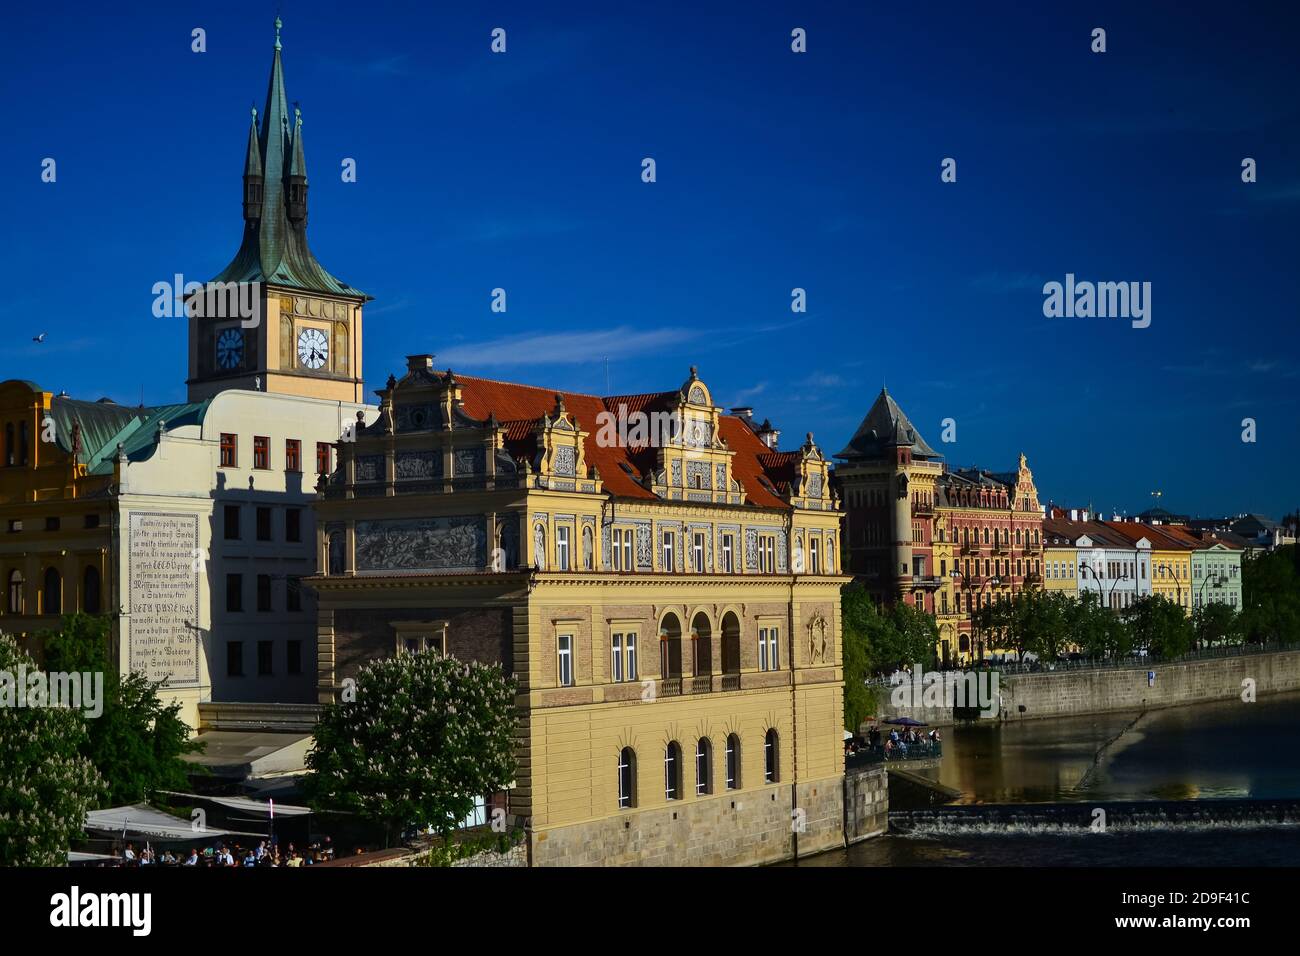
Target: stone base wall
column 729, row 829
column 1117, row 690
column 866, row 804
column 1120, row 689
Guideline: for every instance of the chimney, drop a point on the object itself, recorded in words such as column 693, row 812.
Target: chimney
column 767, row 434
column 418, row 363
column 745, row 413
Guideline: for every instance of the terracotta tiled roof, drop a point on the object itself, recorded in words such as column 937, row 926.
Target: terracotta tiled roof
column 1161, row 538
column 518, row 407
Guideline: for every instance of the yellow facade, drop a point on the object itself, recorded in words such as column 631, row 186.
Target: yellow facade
column 720, row 575
column 1061, row 573
column 1171, row 574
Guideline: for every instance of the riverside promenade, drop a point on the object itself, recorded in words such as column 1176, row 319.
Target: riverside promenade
column 1078, row 688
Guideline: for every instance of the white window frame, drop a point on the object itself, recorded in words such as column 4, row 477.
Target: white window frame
column 564, row 660
column 666, row 554
column 562, row 548
column 769, row 654
column 728, row 554
column 697, row 552
column 629, row 650
column 814, row 555
column 628, row 564
column 616, row 658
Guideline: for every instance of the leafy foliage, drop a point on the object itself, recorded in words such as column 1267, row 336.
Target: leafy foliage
column 875, row 641
column 1158, row 626
column 46, row 784
column 424, row 736
column 137, row 743
column 1270, row 592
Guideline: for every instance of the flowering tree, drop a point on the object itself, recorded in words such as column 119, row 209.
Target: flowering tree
column 46, row 786
column 421, row 738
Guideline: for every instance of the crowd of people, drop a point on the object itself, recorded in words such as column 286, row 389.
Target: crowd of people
column 266, row 853
column 898, row 744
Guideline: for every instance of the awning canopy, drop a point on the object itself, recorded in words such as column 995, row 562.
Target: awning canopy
column 247, row 804
column 140, row 819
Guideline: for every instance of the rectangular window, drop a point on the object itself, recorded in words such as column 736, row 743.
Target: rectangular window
column 229, row 451
column 230, row 522
column 697, row 553
column 52, row 524
column 293, row 524
column 292, row 455
column 263, row 523
column 564, row 649
column 814, row 556
column 234, row 658
column 234, row 592
column 264, row 592
column 668, row 559
column 92, row 521
column 261, row 452
column 616, row 658
column 294, row 657
column 769, row 658
column 629, row 646
column 728, row 554
column 562, row 547
column 293, row 594
column 264, row 653
column 322, row 458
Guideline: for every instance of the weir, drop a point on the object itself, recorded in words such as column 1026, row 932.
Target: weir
column 1081, row 818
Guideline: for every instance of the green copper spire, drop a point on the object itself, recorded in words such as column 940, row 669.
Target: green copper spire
column 298, row 165
column 253, row 157
column 274, row 249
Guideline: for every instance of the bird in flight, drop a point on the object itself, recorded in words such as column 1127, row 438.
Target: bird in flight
column 39, row 338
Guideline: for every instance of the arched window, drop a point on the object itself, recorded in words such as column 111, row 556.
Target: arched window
column 9, row 444
column 16, row 592
column 771, row 753
column 673, row 771
column 90, row 590
column 733, row 762
column 626, row 778
column 703, row 767
column 52, row 593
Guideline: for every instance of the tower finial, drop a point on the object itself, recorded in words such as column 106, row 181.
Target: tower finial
column 278, row 23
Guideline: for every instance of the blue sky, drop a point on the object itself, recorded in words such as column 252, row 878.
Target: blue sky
column 775, row 171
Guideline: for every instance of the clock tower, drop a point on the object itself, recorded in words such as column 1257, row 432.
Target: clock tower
column 275, row 320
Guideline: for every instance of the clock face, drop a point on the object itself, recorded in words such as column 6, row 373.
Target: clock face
column 230, row 349
column 313, row 348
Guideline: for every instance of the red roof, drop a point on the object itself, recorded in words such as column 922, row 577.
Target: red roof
column 518, row 407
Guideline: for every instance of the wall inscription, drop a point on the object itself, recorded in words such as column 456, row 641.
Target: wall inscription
column 163, row 589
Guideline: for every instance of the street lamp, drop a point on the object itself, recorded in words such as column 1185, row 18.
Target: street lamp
column 1099, row 579
column 1177, row 581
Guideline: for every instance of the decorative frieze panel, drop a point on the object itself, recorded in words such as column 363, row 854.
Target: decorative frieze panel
column 698, row 471
column 370, row 468
column 644, row 546
column 454, row 543
column 814, row 485
column 417, row 464
column 565, row 461
column 782, row 551
column 415, row 418
column 676, row 473
column 751, row 549
column 468, row 462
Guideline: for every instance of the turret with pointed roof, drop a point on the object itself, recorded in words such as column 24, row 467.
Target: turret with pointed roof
column 886, row 426
column 274, row 248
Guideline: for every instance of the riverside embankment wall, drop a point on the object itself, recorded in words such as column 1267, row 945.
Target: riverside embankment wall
column 1118, row 689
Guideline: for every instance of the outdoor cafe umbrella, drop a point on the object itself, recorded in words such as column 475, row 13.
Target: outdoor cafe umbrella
column 905, row 722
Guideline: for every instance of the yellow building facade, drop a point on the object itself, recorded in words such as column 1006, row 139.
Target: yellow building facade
column 668, row 602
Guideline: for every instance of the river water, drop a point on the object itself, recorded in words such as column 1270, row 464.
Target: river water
column 1210, row 784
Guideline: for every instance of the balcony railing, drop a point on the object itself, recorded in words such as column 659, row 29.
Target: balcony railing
column 702, row 684
column 731, row 682
column 670, row 687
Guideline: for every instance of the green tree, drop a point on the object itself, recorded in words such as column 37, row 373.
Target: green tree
column 915, row 635
column 859, row 617
column 1270, row 593
column 1095, row 630
column 1216, row 623
column 138, row 743
column 46, row 785
column 422, row 737
column 1159, row 626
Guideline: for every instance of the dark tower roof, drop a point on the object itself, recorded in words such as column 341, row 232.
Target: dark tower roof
column 274, row 249
column 884, row 427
